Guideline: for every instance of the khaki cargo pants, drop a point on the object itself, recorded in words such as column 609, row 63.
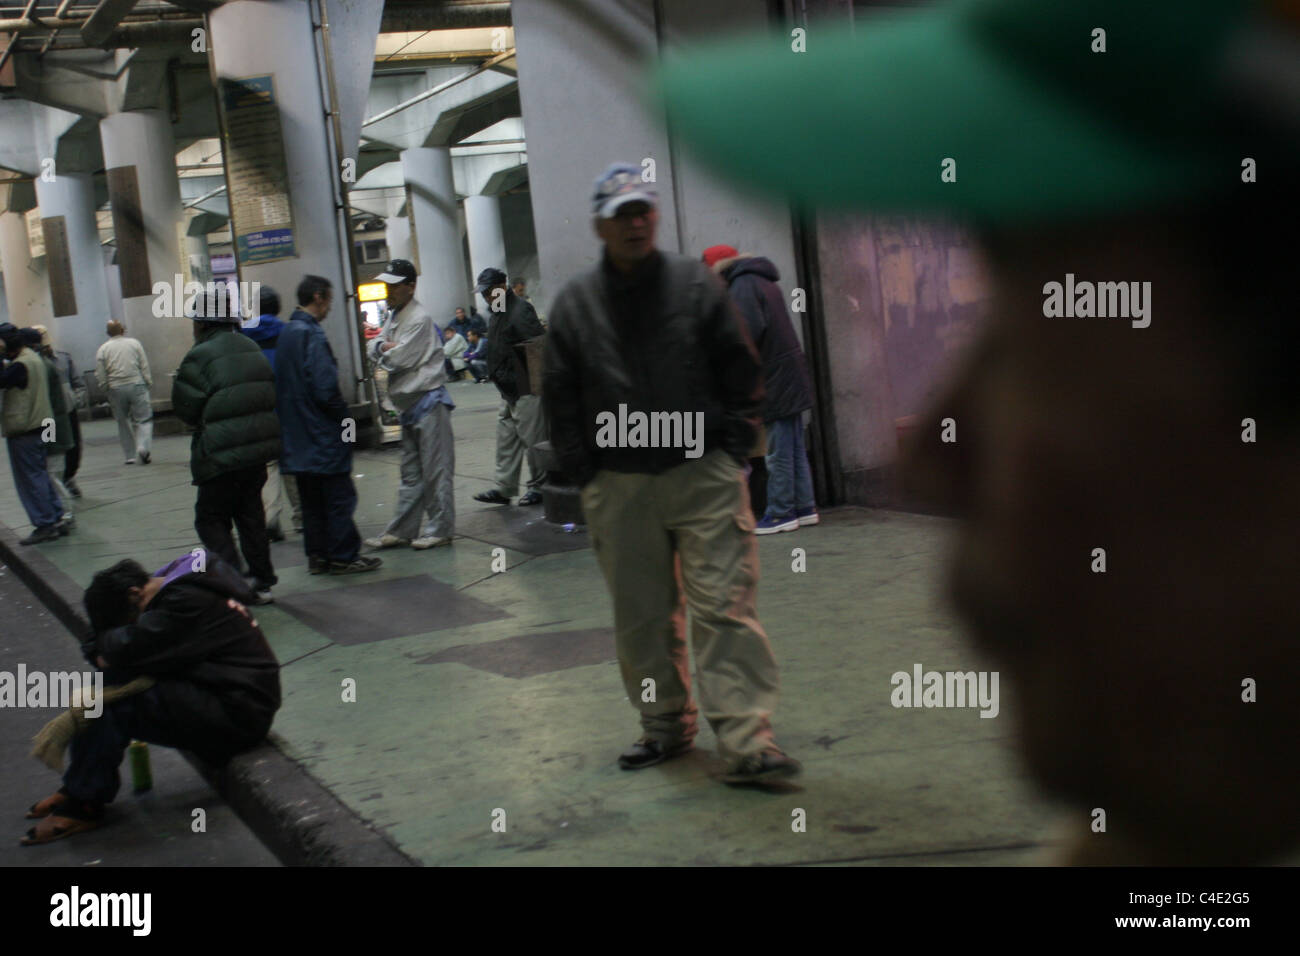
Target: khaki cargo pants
column 665, row 542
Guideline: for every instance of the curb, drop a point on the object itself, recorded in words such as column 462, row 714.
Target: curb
column 296, row 818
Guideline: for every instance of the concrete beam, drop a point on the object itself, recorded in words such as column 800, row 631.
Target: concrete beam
column 101, row 23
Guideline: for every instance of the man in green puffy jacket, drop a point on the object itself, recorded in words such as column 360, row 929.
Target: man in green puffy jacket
column 225, row 390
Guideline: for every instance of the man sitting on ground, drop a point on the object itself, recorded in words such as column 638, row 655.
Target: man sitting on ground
column 211, row 681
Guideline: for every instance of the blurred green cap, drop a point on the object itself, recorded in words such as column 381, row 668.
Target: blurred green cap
column 1000, row 109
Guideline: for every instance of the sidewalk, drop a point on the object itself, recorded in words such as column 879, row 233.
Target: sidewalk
column 478, row 692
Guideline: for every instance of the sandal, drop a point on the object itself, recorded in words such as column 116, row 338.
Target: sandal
column 56, row 828
column 38, row 811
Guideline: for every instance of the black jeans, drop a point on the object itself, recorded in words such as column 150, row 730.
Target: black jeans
column 328, row 531
column 236, row 496
column 72, row 458
column 96, row 753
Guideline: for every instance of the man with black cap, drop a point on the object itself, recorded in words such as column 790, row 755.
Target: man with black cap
column 409, row 348
column 28, row 417
column 225, row 390
column 520, row 425
column 650, row 335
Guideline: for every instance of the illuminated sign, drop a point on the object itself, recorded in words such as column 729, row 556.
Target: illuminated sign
column 372, row 292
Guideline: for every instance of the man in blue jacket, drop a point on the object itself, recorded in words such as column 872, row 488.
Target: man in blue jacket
column 265, row 330
column 313, row 419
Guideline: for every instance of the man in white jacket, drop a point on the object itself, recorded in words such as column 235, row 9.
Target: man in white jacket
column 409, row 349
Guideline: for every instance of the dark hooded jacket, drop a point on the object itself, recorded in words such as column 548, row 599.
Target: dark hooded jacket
column 752, row 283
column 216, row 674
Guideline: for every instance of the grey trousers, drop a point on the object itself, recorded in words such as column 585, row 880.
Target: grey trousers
column 278, row 487
column 428, row 463
column 520, row 426
column 134, row 414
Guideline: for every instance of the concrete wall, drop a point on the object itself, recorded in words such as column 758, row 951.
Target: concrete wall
column 521, row 244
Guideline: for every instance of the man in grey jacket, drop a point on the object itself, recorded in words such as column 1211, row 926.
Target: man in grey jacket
column 122, row 370
column 409, row 349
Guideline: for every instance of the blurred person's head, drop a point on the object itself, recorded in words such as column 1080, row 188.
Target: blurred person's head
column 1127, row 483
column 447, row 334
column 315, row 296
column 268, row 302
column 12, row 339
column 117, row 595
column 472, row 337
column 114, row 328
column 625, row 215
column 519, row 287
column 460, row 314
column 1084, row 434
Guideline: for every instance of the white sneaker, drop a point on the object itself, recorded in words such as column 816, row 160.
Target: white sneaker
column 420, row 544
column 386, row 541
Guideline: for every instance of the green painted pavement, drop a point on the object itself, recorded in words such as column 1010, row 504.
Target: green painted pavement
column 433, row 752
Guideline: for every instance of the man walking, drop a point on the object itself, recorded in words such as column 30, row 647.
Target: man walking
column 520, row 425
column 225, row 390
column 122, row 370
column 619, row 332
column 28, row 418
column 316, row 445
column 787, row 387
column 409, row 348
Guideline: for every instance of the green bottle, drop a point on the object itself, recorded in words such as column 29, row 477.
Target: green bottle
column 141, row 776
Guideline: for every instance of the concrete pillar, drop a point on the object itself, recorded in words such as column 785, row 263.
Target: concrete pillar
column 276, row 38
column 397, row 234
column 72, row 197
column 427, row 171
column 139, row 150
column 487, row 246
column 26, row 294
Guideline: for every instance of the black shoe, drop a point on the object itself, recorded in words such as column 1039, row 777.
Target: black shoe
column 763, row 768
column 263, row 596
column 49, row 533
column 274, row 533
column 356, row 566
column 144, row 458
column 532, row 498
column 646, row 753
column 317, row 565
column 73, row 488
column 66, row 525
column 492, row 497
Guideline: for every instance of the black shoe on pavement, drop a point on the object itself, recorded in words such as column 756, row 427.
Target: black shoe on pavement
column 49, row 533
column 532, row 498
column 492, row 497
column 356, row 566
column 317, row 565
column 273, row 533
column 144, row 458
column 763, row 768
column 263, row 596
column 646, row 753
column 73, row 488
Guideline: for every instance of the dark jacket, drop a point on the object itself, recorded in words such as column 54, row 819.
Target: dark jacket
column 311, row 407
column 266, row 334
column 215, row 671
column 225, row 389
column 787, row 385
column 667, row 339
column 506, row 365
